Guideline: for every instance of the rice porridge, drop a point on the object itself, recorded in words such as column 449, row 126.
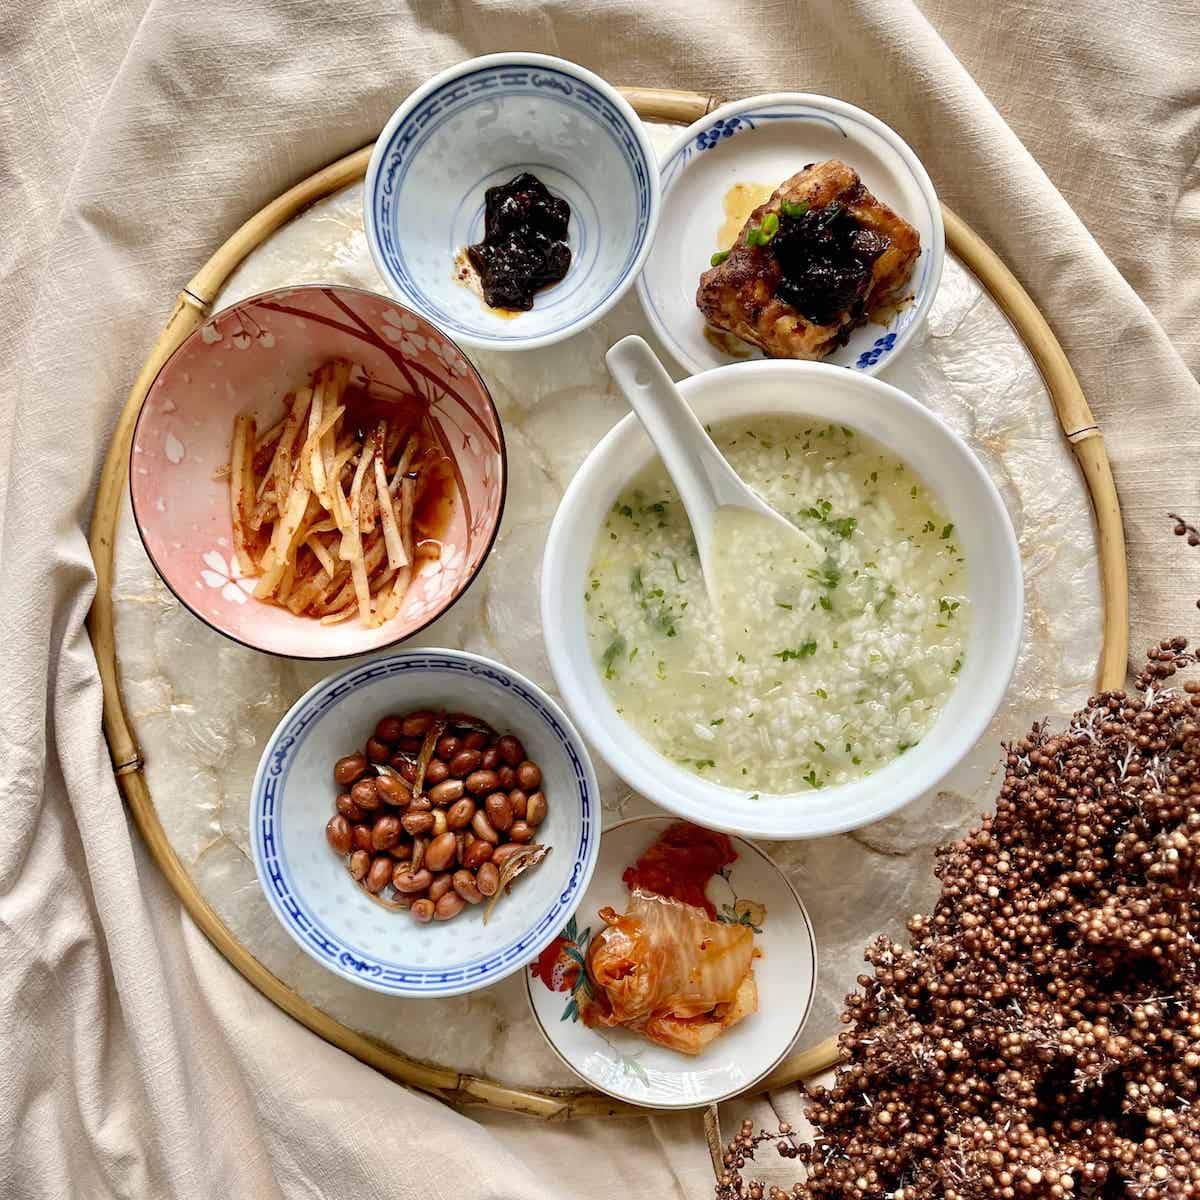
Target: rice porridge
column 832, row 650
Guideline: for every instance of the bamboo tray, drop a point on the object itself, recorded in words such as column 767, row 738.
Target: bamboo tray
column 193, row 305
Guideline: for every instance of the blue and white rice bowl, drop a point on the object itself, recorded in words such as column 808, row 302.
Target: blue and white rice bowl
column 477, row 125
column 308, row 885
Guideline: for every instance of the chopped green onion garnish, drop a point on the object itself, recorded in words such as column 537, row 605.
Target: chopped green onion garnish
column 794, row 208
column 718, row 258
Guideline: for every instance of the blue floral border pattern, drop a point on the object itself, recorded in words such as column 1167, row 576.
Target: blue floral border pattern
column 868, row 358
column 265, row 816
column 443, row 105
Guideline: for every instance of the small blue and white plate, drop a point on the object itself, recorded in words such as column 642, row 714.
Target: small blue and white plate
column 477, row 125
column 751, row 891
column 761, row 141
column 307, row 884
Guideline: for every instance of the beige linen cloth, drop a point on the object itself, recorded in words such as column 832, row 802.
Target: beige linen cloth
column 134, row 136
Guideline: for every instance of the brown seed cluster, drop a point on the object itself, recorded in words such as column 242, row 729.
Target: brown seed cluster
column 1039, row 1036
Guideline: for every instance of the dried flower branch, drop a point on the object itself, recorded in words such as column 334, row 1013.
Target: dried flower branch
column 1039, row 1036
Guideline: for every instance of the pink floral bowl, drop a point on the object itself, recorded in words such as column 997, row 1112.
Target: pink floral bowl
column 246, row 358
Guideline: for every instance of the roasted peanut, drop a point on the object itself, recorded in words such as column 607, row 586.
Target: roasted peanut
column 410, row 745
column 416, row 724
column 416, row 823
column 502, row 854
column 446, row 792
column 392, row 791
column 347, row 807
column 420, row 804
column 529, row 775
column 511, row 750
column 441, row 852
column 347, row 770
column 379, row 874
column 389, row 729
column 422, row 910
column 475, row 740
column 448, row 746
column 377, row 751
column 519, row 800
column 362, row 837
column 521, row 832
column 484, row 829
column 450, row 905
column 406, row 766
column 460, row 847
column 487, row 878
column 366, row 795
column 464, row 762
column 490, row 759
column 535, row 809
column 481, row 782
column 409, row 882
column 385, row 833
column 402, row 850
column 436, row 772
column 508, row 778
column 338, row 833
column 476, row 854
column 499, row 811
column 459, row 814
column 464, row 885
column 360, row 864
column 418, row 852
column 439, row 822
column 440, row 886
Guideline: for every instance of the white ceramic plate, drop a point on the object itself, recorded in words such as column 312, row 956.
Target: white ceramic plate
column 964, row 492
column 764, row 140
column 631, row 1068
column 307, row 884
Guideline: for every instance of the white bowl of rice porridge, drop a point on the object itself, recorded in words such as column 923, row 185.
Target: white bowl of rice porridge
column 838, row 681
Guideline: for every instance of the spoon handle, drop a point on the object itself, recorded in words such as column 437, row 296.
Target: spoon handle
column 697, row 468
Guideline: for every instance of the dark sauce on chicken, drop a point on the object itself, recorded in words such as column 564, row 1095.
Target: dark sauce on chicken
column 825, row 259
column 524, row 247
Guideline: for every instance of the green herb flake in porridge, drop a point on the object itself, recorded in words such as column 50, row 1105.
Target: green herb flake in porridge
column 832, row 653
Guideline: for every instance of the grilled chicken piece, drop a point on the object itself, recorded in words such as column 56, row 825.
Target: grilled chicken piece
column 838, row 255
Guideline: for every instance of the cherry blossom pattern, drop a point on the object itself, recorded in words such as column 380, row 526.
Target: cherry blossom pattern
column 448, row 357
column 446, row 567
column 401, row 328
column 227, row 578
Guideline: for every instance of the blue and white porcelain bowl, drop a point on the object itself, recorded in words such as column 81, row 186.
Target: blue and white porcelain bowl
column 307, row 884
column 758, row 143
column 477, row 125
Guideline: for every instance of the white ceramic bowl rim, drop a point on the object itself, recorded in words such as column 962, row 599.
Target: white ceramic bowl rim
column 914, row 315
column 310, row 933
column 545, row 62
column 774, row 815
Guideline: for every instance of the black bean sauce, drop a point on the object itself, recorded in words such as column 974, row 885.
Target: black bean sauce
column 826, row 258
column 525, row 242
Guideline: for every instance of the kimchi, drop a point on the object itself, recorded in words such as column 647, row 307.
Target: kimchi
column 663, row 968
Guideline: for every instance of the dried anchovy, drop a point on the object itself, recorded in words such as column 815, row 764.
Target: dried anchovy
column 432, row 734
column 394, row 905
column 523, row 860
column 468, row 722
column 1038, row 1038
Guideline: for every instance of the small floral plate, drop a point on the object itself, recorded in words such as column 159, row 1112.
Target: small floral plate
column 727, row 163
column 752, row 891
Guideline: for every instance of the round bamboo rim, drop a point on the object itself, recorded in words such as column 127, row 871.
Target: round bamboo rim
column 191, row 307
